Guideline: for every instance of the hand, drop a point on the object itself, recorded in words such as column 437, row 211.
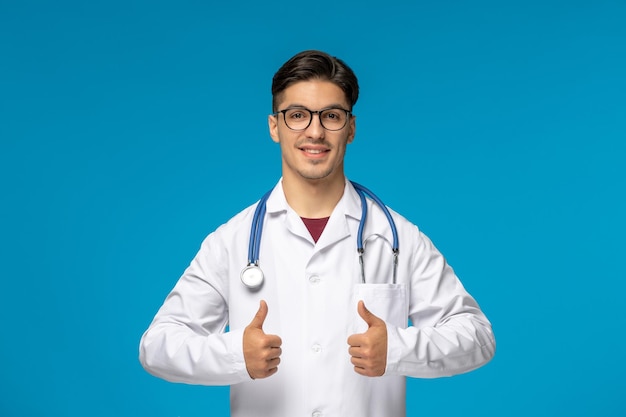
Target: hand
column 368, row 350
column 260, row 351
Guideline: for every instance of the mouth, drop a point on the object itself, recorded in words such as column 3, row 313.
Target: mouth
column 314, row 151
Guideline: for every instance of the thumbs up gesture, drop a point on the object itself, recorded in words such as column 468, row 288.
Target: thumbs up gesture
column 260, row 351
column 368, row 350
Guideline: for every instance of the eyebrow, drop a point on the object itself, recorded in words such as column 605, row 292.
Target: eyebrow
column 330, row 106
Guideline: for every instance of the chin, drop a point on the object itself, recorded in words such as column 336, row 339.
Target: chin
column 317, row 175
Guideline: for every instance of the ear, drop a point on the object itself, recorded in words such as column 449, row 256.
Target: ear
column 272, row 122
column 352, row 129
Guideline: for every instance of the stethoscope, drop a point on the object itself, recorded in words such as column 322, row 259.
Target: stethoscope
column 252, row 275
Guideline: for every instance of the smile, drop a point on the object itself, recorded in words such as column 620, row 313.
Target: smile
column 314, row 150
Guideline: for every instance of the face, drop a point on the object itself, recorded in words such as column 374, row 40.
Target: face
column 314, row 153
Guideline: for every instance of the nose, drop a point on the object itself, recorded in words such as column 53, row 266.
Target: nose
column 315, row 129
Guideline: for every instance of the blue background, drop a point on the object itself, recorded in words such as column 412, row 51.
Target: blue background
column 130, row 130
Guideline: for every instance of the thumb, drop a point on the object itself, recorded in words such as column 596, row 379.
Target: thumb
column 259, row 317
column 366, row 315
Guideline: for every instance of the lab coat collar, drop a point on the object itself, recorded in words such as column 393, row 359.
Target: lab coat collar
column 349, row 206
column 350, row 201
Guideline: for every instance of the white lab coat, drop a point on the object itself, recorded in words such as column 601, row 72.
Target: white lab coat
column 312, row 290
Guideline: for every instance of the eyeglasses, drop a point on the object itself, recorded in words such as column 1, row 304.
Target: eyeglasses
column 299, row 118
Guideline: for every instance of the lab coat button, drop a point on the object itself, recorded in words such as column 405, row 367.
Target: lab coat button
column 316, row 349
column 314, row 279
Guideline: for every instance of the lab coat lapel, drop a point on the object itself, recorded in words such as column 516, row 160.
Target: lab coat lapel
column 348, row 209
column 277, row 205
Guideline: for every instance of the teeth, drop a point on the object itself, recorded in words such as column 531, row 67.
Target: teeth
column 314, row 150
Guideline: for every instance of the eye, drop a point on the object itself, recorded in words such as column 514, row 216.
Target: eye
column 296, row 114
column 333, row 114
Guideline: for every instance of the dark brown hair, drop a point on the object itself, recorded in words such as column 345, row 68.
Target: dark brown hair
column 315, row 65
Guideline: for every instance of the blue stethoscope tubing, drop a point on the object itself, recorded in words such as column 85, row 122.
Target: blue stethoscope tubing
column 252, row 275
column 361, row 191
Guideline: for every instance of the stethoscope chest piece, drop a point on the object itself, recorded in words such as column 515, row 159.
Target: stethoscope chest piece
column 252, row 277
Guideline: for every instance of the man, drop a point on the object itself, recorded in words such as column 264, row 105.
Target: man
column 315, row 339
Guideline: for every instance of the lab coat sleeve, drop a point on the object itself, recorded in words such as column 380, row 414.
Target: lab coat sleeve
column 187, row 341
column 450, row 334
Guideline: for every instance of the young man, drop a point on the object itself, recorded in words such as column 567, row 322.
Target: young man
column 323, row 334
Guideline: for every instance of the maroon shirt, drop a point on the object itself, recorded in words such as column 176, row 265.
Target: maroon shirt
column 315, row 226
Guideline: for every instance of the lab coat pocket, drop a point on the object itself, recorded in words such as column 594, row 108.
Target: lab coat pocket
column 386, row 301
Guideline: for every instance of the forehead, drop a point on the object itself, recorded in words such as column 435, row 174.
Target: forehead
column 313, row 94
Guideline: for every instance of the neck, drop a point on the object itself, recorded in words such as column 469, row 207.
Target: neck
column 313, row 199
